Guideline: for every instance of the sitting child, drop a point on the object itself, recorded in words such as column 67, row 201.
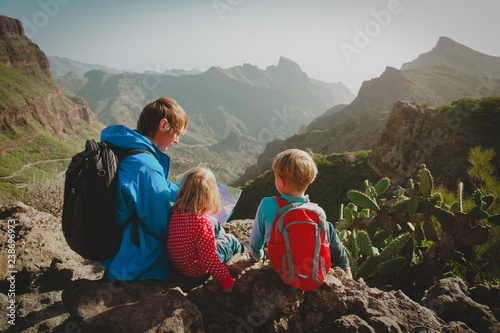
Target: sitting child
column 294, row 170
column 196, row 243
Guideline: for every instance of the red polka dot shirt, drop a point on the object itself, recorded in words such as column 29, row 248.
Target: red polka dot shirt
column 191, row 247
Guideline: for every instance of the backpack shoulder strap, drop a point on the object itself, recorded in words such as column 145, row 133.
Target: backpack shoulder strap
column 132, row 151
column 280, row 202
column 134, row 219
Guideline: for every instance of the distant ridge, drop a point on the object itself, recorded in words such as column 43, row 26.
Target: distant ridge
column 180, row 72
column 459, row 57
column 244, row 99
column 61, row 66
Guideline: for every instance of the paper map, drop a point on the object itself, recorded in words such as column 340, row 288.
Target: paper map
column 228, row 198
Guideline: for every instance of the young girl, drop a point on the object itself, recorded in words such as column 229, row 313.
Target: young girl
column 196, row 242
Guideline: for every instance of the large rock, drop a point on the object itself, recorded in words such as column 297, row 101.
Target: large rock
column 478, row 307
column 44, row 266
column 142, row 306
column 414, row 135
column 260, row 301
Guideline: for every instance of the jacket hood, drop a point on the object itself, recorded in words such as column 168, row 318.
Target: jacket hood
column 123, row 137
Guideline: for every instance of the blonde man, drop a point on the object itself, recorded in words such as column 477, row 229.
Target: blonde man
column 294, row 170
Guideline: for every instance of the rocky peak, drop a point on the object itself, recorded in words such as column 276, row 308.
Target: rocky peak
column 9, row 28
column 288, row 72
column 458, row 57
column 17, row 50
column 443, row 42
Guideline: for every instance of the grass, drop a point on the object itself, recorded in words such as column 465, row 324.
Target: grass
column 18, row 83
column 41, row 148
column 439, row 85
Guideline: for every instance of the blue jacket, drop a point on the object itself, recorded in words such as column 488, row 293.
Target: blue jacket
column 142, row 186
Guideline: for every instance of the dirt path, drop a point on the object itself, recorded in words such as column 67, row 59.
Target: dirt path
column 33, row 163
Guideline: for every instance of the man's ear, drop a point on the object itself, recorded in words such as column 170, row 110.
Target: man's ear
column 164, row 125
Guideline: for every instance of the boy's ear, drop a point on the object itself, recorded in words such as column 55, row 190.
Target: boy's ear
column 282, row 179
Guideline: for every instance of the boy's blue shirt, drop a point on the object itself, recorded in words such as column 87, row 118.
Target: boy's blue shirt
column 263, row 223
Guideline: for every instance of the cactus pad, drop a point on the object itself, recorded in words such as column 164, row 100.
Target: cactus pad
column 382, row 186
column 364, row 243
column 488, row 201
column 494, row 219
column 425, row 181
column 430, row 230
column 362, row 199
column 392, row 265
column 395, row 246
column 369, row 267
column 412, row 206
column 445, row 218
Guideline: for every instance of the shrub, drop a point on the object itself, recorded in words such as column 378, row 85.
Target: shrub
column 45, row 195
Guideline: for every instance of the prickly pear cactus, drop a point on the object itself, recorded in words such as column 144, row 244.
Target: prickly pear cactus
column 361, row 199
column 392, row 265
column 395, row 246
column 365, row 244
column 426, row 181
column 368, row 268
column 416, row 215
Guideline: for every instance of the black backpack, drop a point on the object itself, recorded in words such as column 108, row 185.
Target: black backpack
column 88, row 220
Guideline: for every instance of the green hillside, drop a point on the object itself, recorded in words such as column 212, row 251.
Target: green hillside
column 40, row 127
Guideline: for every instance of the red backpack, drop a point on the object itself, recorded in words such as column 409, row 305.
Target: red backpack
column 298, row 248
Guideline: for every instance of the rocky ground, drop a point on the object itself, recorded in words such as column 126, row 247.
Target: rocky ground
column 58, row 291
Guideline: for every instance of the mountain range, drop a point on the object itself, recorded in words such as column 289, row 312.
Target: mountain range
column 433, row 79
column 242, row 99
column 63, row 66
column 240, row 117
column 245, row 104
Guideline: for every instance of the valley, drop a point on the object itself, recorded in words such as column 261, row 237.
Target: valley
column 418, row 146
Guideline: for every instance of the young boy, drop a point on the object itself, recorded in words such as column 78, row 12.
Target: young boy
column 294, row 170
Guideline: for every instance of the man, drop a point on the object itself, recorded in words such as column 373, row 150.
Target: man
column 143, row 189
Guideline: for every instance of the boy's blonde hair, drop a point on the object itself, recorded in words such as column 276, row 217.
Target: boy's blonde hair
column 297, row 167
column 198, row 193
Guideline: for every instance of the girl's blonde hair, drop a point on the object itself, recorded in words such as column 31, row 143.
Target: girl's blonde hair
column 198, row 193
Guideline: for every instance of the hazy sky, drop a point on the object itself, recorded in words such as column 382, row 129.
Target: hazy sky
column 332, row 40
